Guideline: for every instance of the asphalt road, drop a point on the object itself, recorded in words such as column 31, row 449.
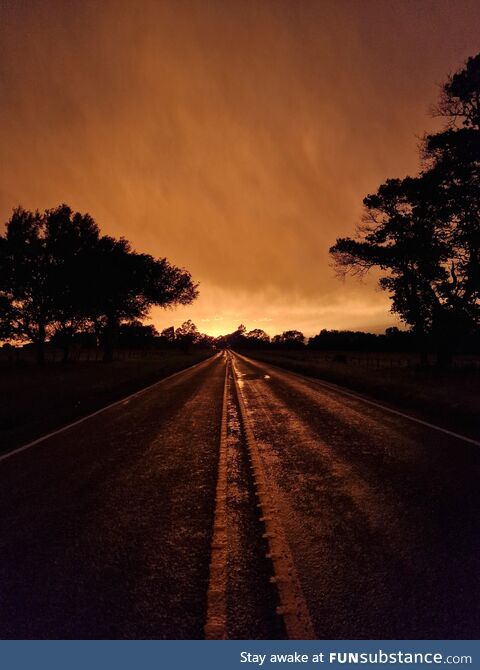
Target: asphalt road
column 105, row 529
column 382, row 514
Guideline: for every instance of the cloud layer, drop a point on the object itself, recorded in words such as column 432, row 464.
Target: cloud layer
column 236, row 138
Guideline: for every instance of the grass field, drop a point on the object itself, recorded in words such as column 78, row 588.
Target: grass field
column 450, row 398
column 36, row 400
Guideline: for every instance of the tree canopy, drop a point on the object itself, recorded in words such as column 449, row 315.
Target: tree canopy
column 423, row 232
column 59, row 276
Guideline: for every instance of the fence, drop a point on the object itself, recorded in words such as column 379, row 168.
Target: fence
column 19, row 355
column 387, row 360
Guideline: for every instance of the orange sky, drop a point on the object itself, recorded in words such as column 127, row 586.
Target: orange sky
column 236, row 138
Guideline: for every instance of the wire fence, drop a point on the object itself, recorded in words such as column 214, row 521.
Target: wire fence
column 19, row 355
column 388, row 361
column 370, row 360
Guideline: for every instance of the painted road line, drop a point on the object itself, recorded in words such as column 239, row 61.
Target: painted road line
column 216, row 622
column 293, row 606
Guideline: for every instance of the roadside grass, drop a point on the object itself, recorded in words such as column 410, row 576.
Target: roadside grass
column 36, row 400
column 450, row 398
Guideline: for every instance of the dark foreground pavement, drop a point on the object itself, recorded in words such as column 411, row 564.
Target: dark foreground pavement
column 105, row 529
column 382, row 514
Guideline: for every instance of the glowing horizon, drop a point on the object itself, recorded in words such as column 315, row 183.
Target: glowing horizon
column 236, row 139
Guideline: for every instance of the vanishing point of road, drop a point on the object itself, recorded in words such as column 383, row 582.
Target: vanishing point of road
column 239, row 500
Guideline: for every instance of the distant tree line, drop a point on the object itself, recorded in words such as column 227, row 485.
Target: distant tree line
column 392, row 340
column 135, row 335
column 60, row 279
column 186, row 336
column 258, row 338
column 423, row 232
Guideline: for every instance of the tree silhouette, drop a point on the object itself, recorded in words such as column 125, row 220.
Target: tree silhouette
column 187, row 334
column 258, row 335
column 71, row 237
column 398, row 235
column 40, row 272
column 168, row 334
column 123, row 285
column 424, row 231
column 293, row 338
column 355, row 340
column 290, row 339
column 59, row 276
column 136, row 335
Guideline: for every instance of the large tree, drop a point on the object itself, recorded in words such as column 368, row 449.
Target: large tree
column 423, row 232
column 290, row 339
column 187, row 334
column 59, row 276
column 72, row 238
column 258, row 335
column 452, row 158
column 41, row 267
column 122, row 285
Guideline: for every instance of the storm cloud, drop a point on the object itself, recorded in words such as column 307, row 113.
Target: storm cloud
column 236, row 138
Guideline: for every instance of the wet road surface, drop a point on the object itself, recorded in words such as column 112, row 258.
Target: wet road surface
column 106, row 529
column 382, row 514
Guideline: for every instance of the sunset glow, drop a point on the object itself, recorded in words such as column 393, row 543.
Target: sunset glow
column 237, row 139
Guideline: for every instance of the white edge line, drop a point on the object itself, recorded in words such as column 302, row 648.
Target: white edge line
column 24, row 447
column 340, row 389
